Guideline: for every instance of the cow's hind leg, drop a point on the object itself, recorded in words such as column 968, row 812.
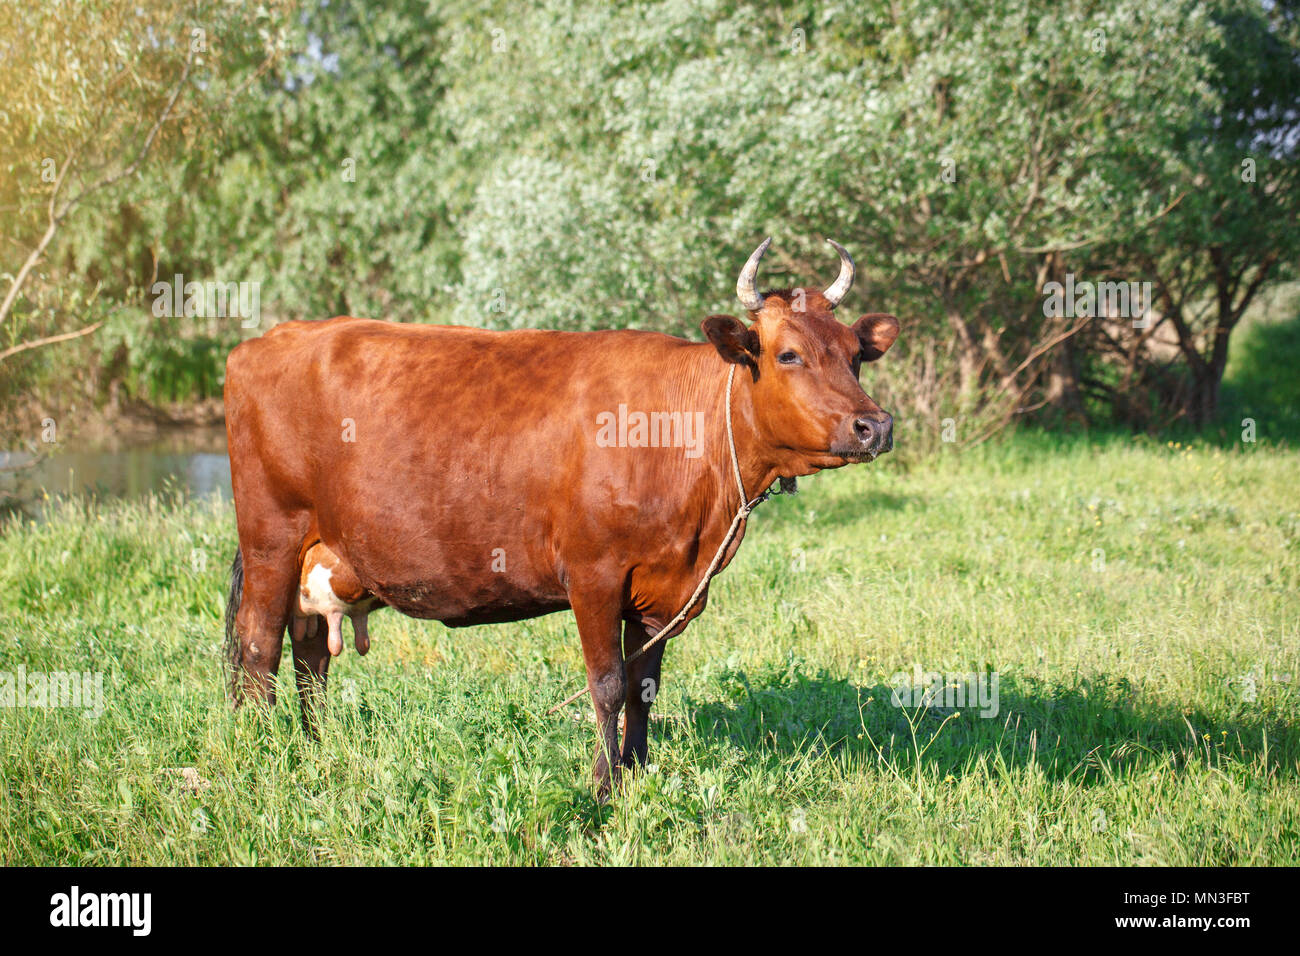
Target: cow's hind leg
column 642, row 687
column 311, row 664
column 270, row 577
column 600, row 628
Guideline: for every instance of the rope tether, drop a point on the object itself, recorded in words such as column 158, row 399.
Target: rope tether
column 746, row 506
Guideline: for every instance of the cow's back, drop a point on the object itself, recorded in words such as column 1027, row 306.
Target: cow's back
column 455, row 469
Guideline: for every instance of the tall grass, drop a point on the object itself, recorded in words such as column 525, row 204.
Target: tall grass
column 1138, row 600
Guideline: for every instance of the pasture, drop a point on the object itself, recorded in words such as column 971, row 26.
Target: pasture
column 1139, row 601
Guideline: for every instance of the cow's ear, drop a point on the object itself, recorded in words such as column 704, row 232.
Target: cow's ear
column 734, row 341
column 876, row 333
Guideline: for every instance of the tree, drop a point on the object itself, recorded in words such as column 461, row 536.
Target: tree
column 91, row 92
column 577, row 165
column 1238, row 226
column 969, row 154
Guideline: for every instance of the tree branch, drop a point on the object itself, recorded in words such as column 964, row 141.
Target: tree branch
column 56, row 216
column 49, row 340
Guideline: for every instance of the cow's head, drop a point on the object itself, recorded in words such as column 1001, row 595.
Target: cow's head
column 809, row 409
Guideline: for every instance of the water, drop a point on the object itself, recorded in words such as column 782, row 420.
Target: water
column 193, row 460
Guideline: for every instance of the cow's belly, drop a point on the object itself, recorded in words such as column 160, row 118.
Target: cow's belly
column 446, row 602
column 496, row 613
column 436, row 567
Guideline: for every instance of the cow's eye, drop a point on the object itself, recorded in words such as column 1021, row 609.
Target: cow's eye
column 788, row 358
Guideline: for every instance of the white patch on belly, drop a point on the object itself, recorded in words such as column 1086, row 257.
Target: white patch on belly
column 318, row 596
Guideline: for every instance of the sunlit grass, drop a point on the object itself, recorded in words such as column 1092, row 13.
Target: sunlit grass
column 1138, row 600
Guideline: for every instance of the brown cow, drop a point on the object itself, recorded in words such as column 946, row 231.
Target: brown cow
column 476, row 477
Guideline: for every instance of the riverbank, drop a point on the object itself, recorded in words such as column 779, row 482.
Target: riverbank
column 164, row 455
column 108, row 427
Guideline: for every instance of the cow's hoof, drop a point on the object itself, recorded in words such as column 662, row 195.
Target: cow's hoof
column 608, row 782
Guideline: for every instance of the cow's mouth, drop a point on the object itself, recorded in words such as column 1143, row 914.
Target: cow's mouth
column 853, row 455
column 856, row 456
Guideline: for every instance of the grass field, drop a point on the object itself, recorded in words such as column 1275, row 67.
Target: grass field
column 1138, row 600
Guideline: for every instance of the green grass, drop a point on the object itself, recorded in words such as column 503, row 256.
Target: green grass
column 1260, row 381
column 1139, row 601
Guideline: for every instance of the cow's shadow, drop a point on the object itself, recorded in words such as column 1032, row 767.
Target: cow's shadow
column 1099, row 727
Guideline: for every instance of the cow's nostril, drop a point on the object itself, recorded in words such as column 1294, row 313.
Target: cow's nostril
column 865, row 429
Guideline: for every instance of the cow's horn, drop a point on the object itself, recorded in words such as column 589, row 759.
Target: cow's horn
column 746, row 285
column 841, row 286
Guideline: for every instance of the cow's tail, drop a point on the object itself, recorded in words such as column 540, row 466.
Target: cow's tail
column 234, row 652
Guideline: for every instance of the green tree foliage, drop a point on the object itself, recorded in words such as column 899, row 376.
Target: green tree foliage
column 969, row 154
column 1235, row 228
column 346, row 150
column 579, row 165
column 96, row 97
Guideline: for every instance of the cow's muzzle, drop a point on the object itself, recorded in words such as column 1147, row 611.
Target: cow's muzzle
column 873, row 435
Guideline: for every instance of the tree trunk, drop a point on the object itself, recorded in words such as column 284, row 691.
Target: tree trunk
column 1208, row 382
column 1063, row 389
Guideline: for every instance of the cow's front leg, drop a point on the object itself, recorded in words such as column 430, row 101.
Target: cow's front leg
column 600, row 628
column 642, row 688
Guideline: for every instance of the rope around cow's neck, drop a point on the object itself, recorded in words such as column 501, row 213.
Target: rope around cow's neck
column 746, row 506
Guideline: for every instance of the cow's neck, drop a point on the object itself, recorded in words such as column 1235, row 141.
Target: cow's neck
column 758, row 469
column 706, row 378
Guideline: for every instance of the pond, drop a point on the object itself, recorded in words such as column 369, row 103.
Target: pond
column 193, row 460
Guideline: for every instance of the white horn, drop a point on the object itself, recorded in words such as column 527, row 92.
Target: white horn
column 841, row 286
column 746, row 286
